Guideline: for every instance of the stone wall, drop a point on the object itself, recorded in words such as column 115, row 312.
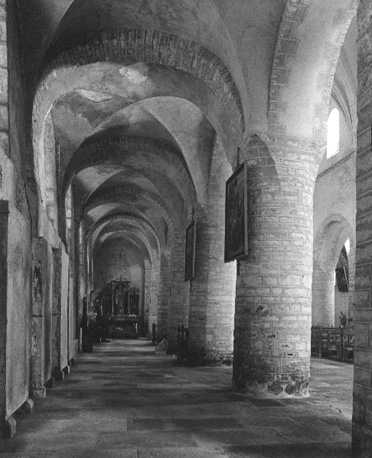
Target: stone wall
column 334, row 223
column 14, row 144
column 115, row 260
column 362, row 414
column 212, row 292
column 177, row 310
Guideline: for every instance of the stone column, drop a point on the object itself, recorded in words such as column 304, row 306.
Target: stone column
column 176, row 305
column 212, row 292
column 323, row 292
column 154, row 293
column 273, row 298
column 8, row 427
column 146, row 295
column 362, row 425
column 163, row 296
column 351, row 278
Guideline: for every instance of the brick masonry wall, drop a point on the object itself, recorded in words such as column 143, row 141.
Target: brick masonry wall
column 273, row 297
column 154, row 294
column 323, row 297
column 114, row 260
column 176, row 304
column 147, row 294
column 212, row 292
column 362, row 414
column 164, row 293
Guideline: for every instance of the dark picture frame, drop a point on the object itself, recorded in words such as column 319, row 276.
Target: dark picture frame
column 190, row 251
column 236, row 215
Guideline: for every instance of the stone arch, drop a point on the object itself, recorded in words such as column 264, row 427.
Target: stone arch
column 117, row 150
column 123, row 206
column 201, row 20
column 130, row 211
column 170, row 119
column 127, row 222
column 161, row 48
column 309, row 41
column 121, row 151
column 214, row 89
column 127, row 194
column 328, row 243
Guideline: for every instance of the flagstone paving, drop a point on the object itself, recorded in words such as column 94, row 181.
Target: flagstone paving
column 124, row 400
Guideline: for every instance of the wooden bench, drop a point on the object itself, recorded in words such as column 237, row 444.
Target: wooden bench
column 332, row 343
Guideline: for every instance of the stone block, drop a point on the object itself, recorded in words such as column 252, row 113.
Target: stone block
column 3, row 55
column 3, row 85
column 3, row 30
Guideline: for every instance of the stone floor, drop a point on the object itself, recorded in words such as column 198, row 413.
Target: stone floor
column 125, row 401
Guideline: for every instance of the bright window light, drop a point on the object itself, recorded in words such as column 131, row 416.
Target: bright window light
column 347, row 246
column 333, row 137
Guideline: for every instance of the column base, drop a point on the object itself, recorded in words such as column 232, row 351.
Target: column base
column 39, row 392
column 202, row 357
column 9, row 428
column 58, row 375
column 172, row 347
column 277, row 389
column 28, row 406
column 50, row 383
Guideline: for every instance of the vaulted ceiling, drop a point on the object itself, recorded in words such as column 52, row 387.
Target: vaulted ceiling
column 130, row 98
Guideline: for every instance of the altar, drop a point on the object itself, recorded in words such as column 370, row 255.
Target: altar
column 120, row 307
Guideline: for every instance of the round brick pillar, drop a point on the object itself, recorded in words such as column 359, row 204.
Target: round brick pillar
column 154, row 294
column 273, row 299
column 176, row 305
column 163, row 297
column 323, row 304
column 146, row 295
column 212, row 292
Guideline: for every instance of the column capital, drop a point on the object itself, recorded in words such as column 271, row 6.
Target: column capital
column 282, row 152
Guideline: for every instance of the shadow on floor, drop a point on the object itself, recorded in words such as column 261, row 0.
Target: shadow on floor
column 124, row 400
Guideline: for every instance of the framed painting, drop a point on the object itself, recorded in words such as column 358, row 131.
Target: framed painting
column 236, row 215
column 190, row 252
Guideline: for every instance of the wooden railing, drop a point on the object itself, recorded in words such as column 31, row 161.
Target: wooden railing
column 333, row 343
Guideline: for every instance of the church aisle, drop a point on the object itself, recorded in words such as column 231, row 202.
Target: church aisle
column 124, row 400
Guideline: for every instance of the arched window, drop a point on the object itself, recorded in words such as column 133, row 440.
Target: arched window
column 333, row 135
column 347, row 246
column 342, row 272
